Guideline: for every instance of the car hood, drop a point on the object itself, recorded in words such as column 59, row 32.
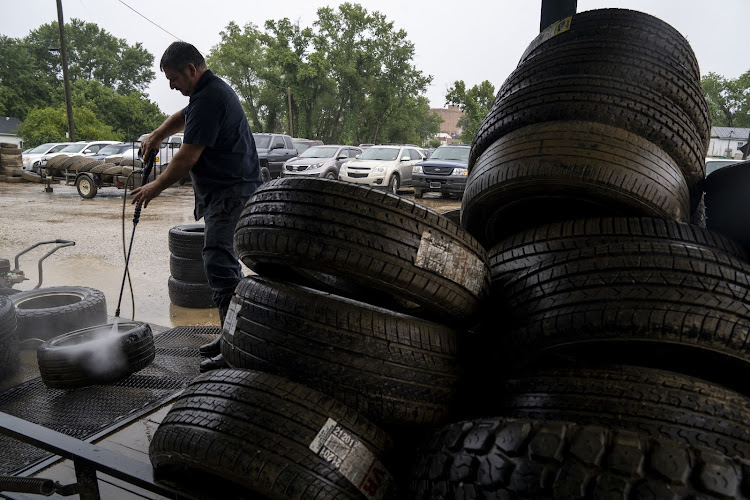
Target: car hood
column 307, row 161
column 441, row 163
column 368, row 163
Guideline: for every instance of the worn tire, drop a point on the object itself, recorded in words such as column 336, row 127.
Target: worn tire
column 565, row 170
column 9, row 348
column 527, row 458
column 45, row 313
column 95, row 355
column 187, row 241
column 672, row 301
column 87, row 166
column 662, row 404
column 368, row 238
column 601, row 99
column 392, row 368
column 526, row 249
column 190, row 295
column 727, row 203
column 31, row 176
column 190, row 270
column 100, row 167
column 453, row 215
column 262, row 433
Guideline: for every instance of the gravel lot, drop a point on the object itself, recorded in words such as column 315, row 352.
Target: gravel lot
column 30, row 215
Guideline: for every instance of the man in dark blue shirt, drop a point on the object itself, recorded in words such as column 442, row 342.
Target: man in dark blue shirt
column 219, row 153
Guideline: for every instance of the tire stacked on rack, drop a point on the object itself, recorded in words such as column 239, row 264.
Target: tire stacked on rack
column 53, row 167
column 188, row 285
column 9, row 347
column 360, row 295
column 11, row 162
column 617, row 332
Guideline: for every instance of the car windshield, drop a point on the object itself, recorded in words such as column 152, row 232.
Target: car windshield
column 459, row 155
column 40, row 149
column 383, row 154
column 319, row 152
column 74, row 148
column 262, row 141
column 113, row 149
column 712, row 166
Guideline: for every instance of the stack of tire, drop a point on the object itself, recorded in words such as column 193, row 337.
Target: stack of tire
column 9, row 347
column 11, row 162
column 612, row 355
column 188, row 285
column 356, row 311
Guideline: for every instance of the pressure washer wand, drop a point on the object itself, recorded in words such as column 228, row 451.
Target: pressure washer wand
column 147, row 168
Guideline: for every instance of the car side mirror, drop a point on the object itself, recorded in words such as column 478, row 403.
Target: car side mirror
column 342, row 157
column 405, row 158
column 357, row 156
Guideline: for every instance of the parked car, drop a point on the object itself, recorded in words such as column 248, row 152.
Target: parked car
column 115, row 150
column 301, row 145
column 32, row 159
column 273, row 151
column 81, row 148
column 388, row 166
column 320, row 161
column 167, row 149
column 445, row 172
column 713, row 164
column 366, row 145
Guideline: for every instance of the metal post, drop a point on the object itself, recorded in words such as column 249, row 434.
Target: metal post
column 289, row 98
column 554, row 10
column 64, row 53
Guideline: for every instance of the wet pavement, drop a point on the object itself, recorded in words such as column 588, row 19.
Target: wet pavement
column 29, row 215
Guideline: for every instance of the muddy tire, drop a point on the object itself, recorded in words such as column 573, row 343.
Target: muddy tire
column 577, row 170
column 89, row 164
column 529, row 458
column 190, row 270
column 45, row 313
column 31, row 176
column 96, row 355
column 367, row 238
column 595, row 98
column 190, row 295
column 187, row 241
column 526, row 249
column 392, row 368
column 268, row 436
column 662, row 404
column 453, row 216
column 9, row 348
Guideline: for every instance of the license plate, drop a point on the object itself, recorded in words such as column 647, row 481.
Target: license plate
column 435, row 185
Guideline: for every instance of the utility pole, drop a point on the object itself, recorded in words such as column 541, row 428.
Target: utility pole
column 64, row 53
column 289, row 98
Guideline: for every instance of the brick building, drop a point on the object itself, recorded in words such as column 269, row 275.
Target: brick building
column 450, row 116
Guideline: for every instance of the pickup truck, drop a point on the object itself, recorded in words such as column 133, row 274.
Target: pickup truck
column 273, row 151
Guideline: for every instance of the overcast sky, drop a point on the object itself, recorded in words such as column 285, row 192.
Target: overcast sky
column 467, row 40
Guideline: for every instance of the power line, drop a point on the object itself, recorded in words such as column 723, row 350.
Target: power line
column 149, row 20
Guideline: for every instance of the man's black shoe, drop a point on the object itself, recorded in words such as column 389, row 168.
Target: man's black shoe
column 212, row 348
column 214, row 363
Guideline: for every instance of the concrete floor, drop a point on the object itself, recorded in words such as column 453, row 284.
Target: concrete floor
column 29, row 215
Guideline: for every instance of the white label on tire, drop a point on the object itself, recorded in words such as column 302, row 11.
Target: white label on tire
column 450, row 260
column 343, row 451
column 230, row 321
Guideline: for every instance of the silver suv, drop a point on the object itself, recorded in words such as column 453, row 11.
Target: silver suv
column 320, row 161
column 388, row 166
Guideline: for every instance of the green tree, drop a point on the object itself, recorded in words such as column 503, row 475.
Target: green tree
column 728, row 99
column 475, row 102
column 23, row 83
column 93, row 54
column 50, row 125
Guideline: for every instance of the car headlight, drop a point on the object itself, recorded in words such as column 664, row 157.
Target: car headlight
column 416, row 169
column 378, row 170
column 318, row 165
column 460, row 171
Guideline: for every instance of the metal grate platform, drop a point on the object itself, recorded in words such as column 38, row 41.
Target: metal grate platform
column 88, row 412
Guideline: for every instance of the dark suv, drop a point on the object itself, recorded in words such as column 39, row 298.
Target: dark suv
column 445, row 171
column 273, row 151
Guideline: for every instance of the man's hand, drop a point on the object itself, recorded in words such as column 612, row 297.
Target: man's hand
column 146, row 193
column 149, row 143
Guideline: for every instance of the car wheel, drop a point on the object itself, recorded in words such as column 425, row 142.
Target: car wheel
column 95, row 355
column 86, row 186
column 331, row 175
column 394, row 183
column 265, row 174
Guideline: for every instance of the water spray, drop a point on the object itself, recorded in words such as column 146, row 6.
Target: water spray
column 147, row 167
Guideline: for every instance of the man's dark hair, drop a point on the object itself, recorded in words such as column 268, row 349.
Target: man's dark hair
column 179, row 55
